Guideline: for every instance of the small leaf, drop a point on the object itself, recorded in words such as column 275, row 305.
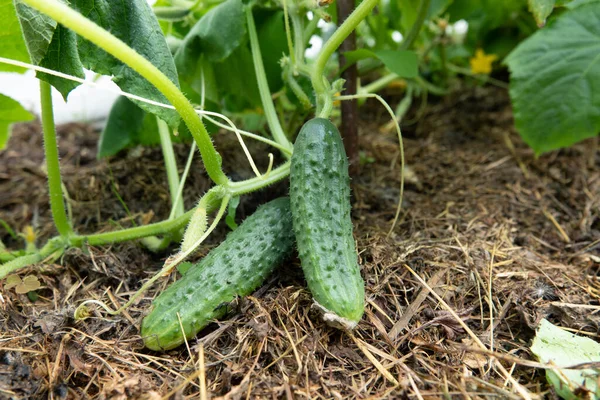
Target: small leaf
column 12, row 44
column 184, row 267
column 541, row 9
column 354, row 56
column 10, row 112
column 12, row 281
column 564, row 349
column 29, row 284
column 404, row 63
column 230, row 218
column 555, row 81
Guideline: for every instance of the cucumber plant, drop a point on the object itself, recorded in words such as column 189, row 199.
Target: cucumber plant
column 151, row 77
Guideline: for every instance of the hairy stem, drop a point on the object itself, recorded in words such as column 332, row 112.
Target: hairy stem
column 250, row 185
column 123, row 235
column 57, row 204
column 117, row 48
column 53, row 246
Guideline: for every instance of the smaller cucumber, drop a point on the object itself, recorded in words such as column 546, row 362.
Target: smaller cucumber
column 235, row 268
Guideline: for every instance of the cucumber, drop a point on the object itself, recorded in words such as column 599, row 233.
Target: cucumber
column 320, row 201
column 235, row 268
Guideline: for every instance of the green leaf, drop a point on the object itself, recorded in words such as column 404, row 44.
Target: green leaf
column 555, row 81
column 10, row 112
column 564, row 349
column 184, row 267
column 12, row 44
column 62, row 56
column 541, row 9
column 127, row 125
column 571, row 4
column 404, row 63
column 38, row 30
column 236, row 80
column 134, row 23
column 355, row 56
column 230, row 218
column 50, row 46
column 215, row 36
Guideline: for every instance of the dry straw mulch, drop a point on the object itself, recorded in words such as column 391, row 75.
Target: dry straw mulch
column 491, row 239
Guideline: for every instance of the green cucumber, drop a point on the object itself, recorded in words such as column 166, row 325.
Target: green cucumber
column 235, row 268
column 320, row 200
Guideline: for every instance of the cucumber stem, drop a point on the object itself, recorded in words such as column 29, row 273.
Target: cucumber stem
column 57, row 204
column 319, row 82
column 263, row 86
column 81, row 311
column 416, row 27
column 171, row 166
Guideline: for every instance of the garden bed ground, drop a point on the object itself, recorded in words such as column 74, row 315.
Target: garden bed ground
column 478, row 202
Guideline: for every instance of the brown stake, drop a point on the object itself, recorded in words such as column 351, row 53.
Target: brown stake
column 349, row 128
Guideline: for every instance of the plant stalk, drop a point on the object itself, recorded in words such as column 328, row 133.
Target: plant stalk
column 263, row 86
column 137, row 232
column 57, row 204
column 117, row 48
column 319, row 82
column 416, row 28
column 171, row 166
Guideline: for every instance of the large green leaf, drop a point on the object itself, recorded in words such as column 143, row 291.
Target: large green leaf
column 12, row 44
column 134, row 23
column 555, row 81
column 564, row 349
column 127, row 125
column 215, row 36
column 10, row 112
column 236, row 80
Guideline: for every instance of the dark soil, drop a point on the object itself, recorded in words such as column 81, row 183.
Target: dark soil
column 505, row 238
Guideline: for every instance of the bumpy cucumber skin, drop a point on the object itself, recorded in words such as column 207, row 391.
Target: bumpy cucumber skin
column 320, row 200
column 235, row 268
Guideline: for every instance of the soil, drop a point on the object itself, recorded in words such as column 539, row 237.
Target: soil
column 503, row 237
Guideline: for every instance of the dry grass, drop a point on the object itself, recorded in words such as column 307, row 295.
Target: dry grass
column 490, row 241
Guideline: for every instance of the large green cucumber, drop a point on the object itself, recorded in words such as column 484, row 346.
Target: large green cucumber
column 235, row 268
column 320, row 200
